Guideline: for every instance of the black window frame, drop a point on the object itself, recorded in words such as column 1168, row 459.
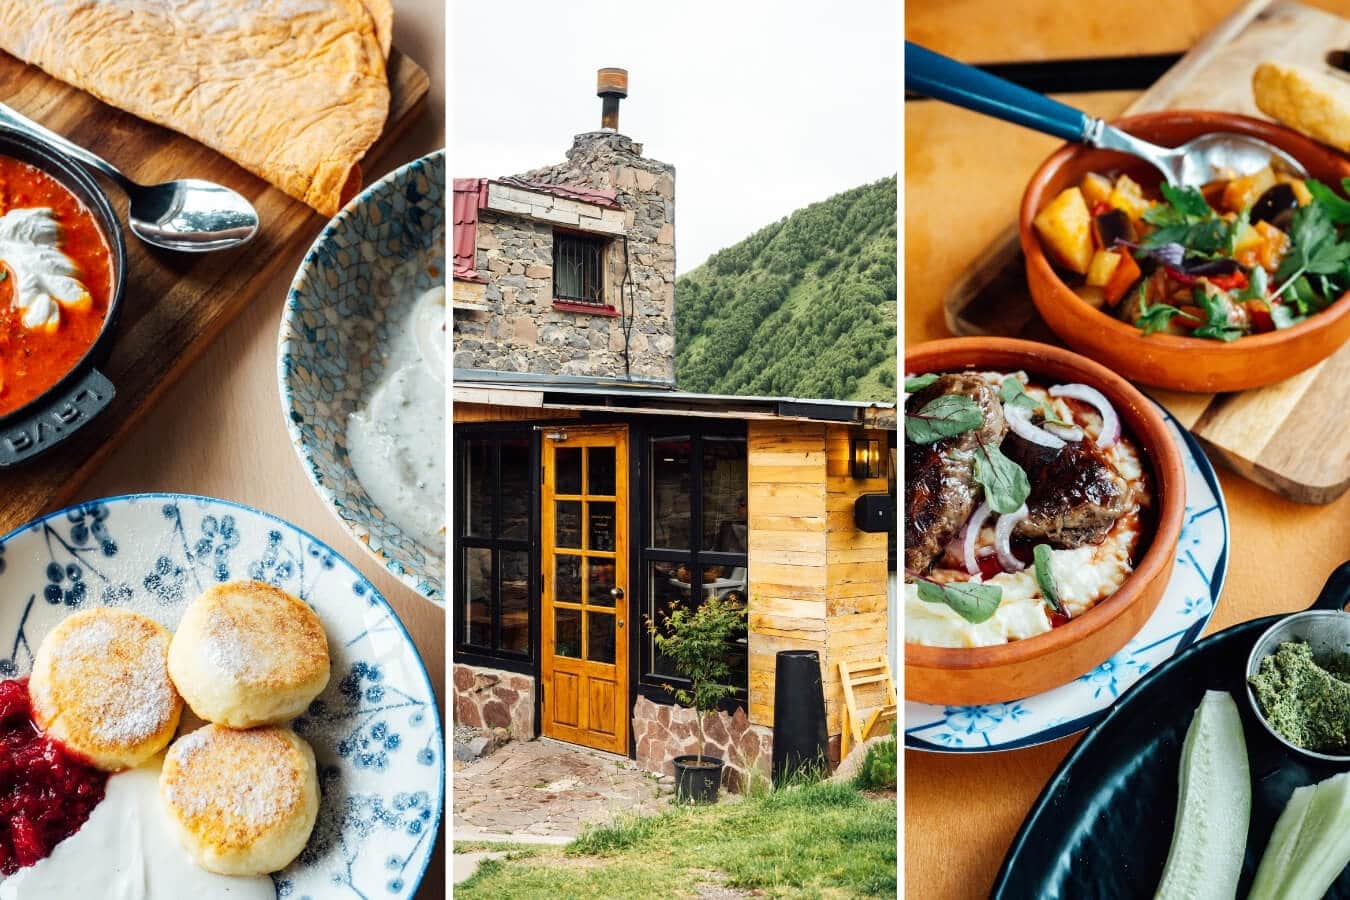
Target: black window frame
column 477, row 654
column 600, row 245
column 648, row 683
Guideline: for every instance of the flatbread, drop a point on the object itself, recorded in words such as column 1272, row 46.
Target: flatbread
column 382, row 12
column 295, row 91
column 1315, row 102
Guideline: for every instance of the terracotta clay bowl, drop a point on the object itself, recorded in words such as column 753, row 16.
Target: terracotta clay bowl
column 1166, row 360
column 959, row 676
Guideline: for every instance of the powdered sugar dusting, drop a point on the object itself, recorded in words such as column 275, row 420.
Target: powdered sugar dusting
column 125, row 694
column 247, row 779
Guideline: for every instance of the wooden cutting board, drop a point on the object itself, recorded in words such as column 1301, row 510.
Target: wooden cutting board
column 174, row 304
column 1294, row 436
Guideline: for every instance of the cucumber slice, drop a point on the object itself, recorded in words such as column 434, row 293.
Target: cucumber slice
column 1214, row 805
column 1310, row 845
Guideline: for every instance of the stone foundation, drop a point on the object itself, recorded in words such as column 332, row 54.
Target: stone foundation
column 491, row 698
column 664, row 731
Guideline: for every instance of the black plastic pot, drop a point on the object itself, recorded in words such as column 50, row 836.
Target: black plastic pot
column 697, row 782
column 800, row 741
column 83, row 392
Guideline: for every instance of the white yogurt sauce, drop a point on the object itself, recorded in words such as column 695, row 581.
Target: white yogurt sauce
column 125, row 851
column 396, row 441
column 44, row 277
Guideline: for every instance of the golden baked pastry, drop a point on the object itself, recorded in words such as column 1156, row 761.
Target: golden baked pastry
column 1311, row 101
column 247, row 653
column 100, row 686
column 295, row 92
column 242, row 802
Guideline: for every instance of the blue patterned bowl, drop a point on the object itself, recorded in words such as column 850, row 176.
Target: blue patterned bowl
column 375, row 731
column 339, row 312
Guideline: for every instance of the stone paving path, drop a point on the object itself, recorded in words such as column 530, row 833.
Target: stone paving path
column 545, row 788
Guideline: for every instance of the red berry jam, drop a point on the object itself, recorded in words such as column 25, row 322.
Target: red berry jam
column 46, row 792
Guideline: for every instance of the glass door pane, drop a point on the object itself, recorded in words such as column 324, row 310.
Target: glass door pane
column 600, row 637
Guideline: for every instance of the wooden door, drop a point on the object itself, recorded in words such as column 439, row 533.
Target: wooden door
column 584, row 605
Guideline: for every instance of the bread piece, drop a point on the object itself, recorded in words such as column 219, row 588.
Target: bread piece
column 241, row 802
column 247, row 654
column 295, row 92
column 1314, row 102
column 100, row 686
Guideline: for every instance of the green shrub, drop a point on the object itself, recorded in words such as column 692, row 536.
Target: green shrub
column 879, row 766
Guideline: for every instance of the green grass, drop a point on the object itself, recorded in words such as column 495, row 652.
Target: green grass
column 813, row 840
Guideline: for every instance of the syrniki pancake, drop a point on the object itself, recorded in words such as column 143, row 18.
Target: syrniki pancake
column 100, row 686
column 247, row 653
column 242, row 802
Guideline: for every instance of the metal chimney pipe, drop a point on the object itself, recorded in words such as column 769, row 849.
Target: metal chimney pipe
column 611, row 85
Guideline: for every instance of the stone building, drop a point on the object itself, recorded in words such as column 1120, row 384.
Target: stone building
column 572, row 266
column 592, row 496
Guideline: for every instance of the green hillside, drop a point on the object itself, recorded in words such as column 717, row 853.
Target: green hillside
column 803, row 308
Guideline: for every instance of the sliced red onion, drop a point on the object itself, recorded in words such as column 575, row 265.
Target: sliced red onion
column 1003, row 539
column 1110, row 432
column 1019, row 420
column 1068, row 432
column 973, row 529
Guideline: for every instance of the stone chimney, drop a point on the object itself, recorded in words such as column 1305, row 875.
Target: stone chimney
column 523, row 327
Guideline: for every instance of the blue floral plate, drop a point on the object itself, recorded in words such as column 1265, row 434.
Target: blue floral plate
column 1183, row 612
column 341, row 310
column 375, row 731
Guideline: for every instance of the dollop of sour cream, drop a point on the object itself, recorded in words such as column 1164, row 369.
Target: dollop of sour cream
column 44, row 278
column 126, row 851
column 396, row 440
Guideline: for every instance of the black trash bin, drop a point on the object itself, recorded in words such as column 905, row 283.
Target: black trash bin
column 800, row 742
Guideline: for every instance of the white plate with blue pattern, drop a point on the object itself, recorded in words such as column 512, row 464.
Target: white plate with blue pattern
column 1182, row 613
column 347, row 301
column 375, row 730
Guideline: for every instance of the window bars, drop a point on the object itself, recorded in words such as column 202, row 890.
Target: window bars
column 578, row 269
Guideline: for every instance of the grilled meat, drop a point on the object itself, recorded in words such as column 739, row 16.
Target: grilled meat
column 1076, row 494
column 940, row 487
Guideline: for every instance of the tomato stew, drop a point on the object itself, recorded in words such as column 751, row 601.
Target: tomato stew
column 31, row 361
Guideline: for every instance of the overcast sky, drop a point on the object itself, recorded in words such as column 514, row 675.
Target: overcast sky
column 761, row 107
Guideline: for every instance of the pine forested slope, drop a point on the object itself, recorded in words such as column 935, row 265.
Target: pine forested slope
column 803, row 308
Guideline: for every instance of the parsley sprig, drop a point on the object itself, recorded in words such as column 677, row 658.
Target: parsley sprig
column 1186, row 218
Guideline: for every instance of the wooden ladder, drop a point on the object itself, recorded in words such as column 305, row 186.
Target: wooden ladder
column 856, row 728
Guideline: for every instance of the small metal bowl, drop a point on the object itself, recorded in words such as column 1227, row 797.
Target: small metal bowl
column 1327, row 632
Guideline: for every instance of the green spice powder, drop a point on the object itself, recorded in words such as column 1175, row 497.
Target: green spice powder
column 1306, row 702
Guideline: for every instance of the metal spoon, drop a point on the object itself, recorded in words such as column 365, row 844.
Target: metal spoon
column 1220, row 154
column 188, row 215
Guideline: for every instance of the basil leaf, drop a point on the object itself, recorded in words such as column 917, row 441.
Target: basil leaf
column 1006, row 486
column 943, row 417
column 1045, row 577
column 1012, row 391
column 919, row 382
column 975, row 603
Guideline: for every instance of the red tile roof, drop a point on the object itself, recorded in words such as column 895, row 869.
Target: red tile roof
column 470, row 197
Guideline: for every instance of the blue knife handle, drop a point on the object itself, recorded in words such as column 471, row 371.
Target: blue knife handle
column 943, row 78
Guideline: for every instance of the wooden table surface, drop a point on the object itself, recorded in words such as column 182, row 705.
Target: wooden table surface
column 964, row 175
column 220, row 430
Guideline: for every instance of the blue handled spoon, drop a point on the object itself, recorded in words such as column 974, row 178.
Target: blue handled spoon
column 1219, row 154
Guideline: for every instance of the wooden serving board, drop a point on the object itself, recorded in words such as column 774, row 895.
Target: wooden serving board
column 1294, row 436
column 174, row 304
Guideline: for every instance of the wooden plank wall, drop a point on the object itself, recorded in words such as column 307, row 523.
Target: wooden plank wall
column 487, row 412
column 816, row 582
